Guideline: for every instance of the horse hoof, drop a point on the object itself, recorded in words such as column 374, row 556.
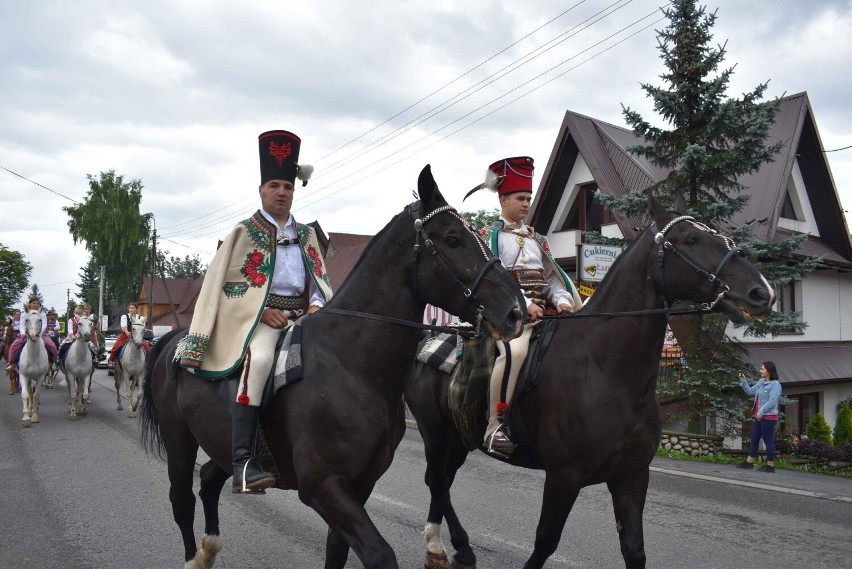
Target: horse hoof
column 73, row 416
column 131, row 415
column 119, row 408
column 89, row 400
column 435, row 561
column 25, row 423
column 456, row 564
column 35, row 418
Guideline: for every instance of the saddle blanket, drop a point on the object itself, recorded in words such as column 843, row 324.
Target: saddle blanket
column 288, row 358
column 441, row 351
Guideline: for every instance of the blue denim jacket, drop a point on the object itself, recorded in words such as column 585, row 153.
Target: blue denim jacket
column 768, row 394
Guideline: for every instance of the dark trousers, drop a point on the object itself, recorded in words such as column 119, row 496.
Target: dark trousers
column 764, row 429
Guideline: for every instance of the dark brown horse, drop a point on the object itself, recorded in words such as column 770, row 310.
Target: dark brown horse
column 333, row 434
column 593, row 416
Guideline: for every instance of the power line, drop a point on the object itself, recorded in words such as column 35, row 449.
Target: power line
column 839, row 149
column 39, row 185
column 481, row 86
column 516, row 64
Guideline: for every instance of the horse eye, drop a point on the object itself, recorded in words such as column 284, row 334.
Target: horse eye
column 691, row 241
column 452, row 241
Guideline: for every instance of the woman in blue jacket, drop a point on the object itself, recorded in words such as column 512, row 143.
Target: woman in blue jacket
column 766, row 392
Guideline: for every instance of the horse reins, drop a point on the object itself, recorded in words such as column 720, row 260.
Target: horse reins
column 715, row 281
column 469, row 292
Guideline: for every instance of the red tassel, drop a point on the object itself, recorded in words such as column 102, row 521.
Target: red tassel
column 502, row 407
column 243, row 399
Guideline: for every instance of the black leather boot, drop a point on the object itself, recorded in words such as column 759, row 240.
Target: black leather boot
column 248, row 477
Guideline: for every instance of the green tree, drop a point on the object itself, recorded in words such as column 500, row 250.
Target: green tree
column 482, row 218
column 15, row 273
column 711, row 141
column 35, row 292
column 177, row 268
column 88, row 288
column 817, row 429
column 116, row 234
column 843, row 427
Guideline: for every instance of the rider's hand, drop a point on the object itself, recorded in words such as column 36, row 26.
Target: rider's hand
column 274, row 318
column 535, row 312
column 312, row 308
column 564, row 307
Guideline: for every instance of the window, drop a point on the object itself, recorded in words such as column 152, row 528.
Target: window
column 797, row 414
column 587, row 213
column 788, row 210
column 789, row 301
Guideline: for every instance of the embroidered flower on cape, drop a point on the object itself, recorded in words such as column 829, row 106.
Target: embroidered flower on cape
column 257, row 269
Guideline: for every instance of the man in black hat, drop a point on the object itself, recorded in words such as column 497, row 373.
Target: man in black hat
column 266, row 274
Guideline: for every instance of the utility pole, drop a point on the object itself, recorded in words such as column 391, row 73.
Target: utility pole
column 153, row 275
column 101, row 296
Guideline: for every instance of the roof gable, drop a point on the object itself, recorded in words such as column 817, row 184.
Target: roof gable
column 603, row 147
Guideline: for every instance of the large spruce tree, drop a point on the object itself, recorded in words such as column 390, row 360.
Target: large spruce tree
column 711, row 141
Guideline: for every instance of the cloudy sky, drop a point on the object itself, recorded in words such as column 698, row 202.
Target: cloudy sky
column 174, row 93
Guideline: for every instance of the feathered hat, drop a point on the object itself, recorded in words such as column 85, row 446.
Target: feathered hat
column 279, row 156
column 508, row 176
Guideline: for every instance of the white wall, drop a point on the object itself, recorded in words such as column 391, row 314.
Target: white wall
column 580, row 174
column 825, row 302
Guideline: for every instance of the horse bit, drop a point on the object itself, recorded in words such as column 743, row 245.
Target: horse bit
column 715, row 282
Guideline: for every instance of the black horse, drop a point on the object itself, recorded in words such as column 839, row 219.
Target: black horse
column 333, row 434
column 593, row 416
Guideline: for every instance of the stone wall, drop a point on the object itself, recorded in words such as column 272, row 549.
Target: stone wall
column 692, row 444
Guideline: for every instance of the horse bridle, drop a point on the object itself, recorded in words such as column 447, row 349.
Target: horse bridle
column 716, row 284
column 38, row 331
column 131, row 333
column 420, row 233
column 468, row 291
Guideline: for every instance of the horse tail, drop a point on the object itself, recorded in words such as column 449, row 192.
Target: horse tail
column 149, row 424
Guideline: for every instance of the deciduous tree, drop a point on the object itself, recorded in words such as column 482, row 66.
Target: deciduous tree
column 115, row 232
column 15, row 273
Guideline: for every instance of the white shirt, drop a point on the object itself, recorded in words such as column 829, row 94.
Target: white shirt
column 530, row 256
column 22, row 326
column 288, row 277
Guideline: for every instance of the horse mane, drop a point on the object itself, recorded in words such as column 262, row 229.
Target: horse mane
column 149, row 429
column 611, row 275
column 374, row 243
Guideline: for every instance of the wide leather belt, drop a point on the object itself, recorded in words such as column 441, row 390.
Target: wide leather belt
column 532, row 283
column 285, row 302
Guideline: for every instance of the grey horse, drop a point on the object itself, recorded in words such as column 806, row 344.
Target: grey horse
column 130, row 368
column 78, row 368
column 33, row 365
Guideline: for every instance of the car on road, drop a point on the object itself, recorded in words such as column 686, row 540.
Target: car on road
column 108, row 342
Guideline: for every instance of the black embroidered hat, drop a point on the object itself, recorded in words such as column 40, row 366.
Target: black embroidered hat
column 279, row 156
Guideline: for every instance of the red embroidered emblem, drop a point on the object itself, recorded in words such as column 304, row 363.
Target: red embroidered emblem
column 279, row 151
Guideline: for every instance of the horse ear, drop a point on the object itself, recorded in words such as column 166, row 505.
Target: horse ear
column 655, row 208
column 428, row 190
column 680, row 203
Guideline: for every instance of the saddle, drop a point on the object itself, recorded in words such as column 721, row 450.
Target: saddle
column 469, row 384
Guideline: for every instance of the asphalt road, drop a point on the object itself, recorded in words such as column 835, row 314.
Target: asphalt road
column 82, row 494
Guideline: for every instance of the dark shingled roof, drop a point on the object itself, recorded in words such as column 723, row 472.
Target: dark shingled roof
column 804, row 363
column 617, row 172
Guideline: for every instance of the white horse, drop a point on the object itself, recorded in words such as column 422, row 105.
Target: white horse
column 33, row 366
column 78, row 368
column 130, row 367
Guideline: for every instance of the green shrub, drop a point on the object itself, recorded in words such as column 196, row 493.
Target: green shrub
column 843, row 428
column 818, row 430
